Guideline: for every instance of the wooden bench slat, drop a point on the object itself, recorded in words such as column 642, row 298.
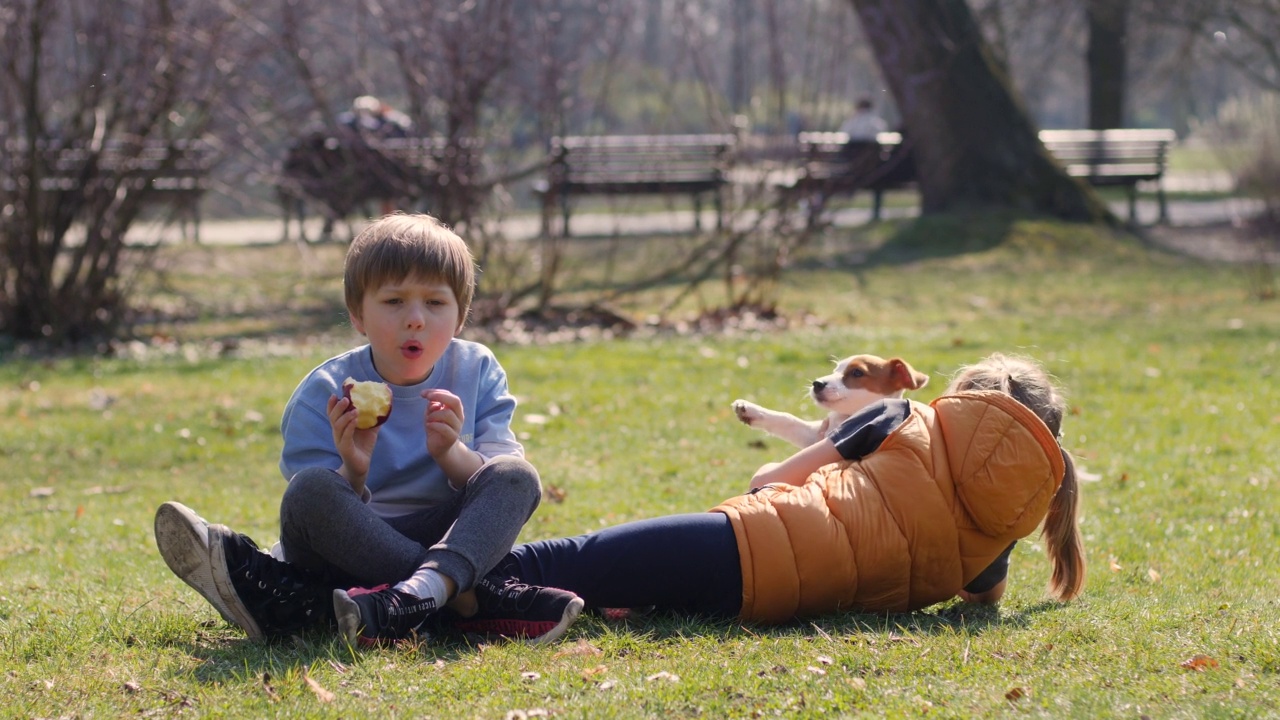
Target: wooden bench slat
column 175, row 171
column 1114, row 157
column 635, row 165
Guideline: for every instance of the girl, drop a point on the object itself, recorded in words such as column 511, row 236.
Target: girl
column 902, row 506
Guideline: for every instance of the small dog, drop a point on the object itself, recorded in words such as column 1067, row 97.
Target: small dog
column 857, row 382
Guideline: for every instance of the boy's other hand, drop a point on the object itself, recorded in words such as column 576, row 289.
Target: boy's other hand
column 443, row 421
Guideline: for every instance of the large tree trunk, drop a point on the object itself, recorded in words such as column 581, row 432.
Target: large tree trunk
column 973, row 143
column 1108, row 24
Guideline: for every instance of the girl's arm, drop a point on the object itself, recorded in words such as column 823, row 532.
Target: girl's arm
column 797, row 468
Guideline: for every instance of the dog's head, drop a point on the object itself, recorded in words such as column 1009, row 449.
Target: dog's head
column 863, row 379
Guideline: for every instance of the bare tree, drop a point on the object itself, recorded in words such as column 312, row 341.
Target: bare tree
column 1107, row 62
column 85, row 89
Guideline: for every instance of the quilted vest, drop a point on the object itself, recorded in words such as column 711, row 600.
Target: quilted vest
column 908, row 525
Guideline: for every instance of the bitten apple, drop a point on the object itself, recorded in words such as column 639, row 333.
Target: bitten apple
column 372, row 401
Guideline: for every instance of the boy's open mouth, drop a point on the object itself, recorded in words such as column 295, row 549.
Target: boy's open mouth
column 411, row 349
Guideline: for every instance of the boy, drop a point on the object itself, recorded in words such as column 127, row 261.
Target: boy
column 419, row 508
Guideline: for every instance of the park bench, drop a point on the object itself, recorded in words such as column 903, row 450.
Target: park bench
column 439, row 165
column 343, row 171
column 177, row 172
column 1120, row 157
column 831, row 165
column 614, row 165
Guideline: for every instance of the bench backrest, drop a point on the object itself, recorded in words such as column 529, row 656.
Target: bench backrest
column 432, row 153
column 640, row 158
column 177, row 166
column 1099, row 155
column 1115, row 153
column 818, row 145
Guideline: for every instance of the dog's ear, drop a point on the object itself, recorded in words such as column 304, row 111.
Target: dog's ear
column 905, row 376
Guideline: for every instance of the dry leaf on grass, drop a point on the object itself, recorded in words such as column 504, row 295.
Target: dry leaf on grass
column 321, row 693
column 580, row 648
column 664, row 675
column 526, row 714
column 1015, row 694
column 1199, row 663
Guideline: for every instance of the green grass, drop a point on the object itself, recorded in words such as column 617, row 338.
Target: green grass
column 1171, row 369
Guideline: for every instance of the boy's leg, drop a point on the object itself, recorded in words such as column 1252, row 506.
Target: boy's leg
column 490, row 513
column 485, row 521
column 265, row 597
column 686, row 563
column 327, row 528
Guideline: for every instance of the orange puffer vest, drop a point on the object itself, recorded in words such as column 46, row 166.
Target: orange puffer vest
column 908, row 525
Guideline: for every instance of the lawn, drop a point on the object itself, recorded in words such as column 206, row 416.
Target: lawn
column 1171, row 369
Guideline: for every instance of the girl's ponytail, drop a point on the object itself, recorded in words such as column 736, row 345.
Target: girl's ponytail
column 1062, row 536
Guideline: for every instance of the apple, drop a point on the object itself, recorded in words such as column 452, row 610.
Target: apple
column 371, row 399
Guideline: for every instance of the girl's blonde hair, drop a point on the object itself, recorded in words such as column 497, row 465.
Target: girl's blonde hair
column 1027, row 382
column 401, row 246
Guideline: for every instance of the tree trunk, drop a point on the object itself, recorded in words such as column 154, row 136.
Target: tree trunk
column 973, row 143
column 1108, row 24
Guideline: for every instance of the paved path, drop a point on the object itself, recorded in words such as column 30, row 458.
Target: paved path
column 1182, row 213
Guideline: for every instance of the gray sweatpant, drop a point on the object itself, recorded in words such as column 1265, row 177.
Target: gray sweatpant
column 325, row 528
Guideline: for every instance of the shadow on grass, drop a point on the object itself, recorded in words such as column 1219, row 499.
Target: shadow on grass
column 943, row 237
column 226, row 656
column 234, row 658
column 948, row 619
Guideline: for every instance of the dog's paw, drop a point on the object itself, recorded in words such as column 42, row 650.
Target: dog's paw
column 747, row 412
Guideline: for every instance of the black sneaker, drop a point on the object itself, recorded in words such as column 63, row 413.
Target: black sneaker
column 369, row 616
column 510, row 608
column 266, row 597
column 263, row 596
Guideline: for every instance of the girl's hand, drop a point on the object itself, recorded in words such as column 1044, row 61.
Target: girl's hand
column 355, row 446
column 796, row 469
column 766, row 475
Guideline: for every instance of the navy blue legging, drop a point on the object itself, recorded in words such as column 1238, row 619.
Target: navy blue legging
column 686, row 563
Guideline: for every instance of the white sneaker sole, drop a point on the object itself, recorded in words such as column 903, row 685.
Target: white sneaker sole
column 348, row 614
column 183, row 539
column 571, row 613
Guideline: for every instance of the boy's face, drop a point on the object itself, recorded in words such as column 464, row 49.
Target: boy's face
column 409, row 324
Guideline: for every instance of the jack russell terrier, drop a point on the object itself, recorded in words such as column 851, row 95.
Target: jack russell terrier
column 857, row 382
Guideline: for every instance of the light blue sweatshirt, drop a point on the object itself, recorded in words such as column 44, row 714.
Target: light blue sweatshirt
column 403, row 477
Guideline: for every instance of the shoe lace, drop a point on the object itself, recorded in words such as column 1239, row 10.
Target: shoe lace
column 397, row 614
column 269, row 575
column 282, row 597
column 513, row 594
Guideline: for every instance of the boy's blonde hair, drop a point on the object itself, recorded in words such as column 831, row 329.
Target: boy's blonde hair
column 401, row 246
column 1027, row 382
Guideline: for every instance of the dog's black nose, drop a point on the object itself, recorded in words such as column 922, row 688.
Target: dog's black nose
column 818, row 385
